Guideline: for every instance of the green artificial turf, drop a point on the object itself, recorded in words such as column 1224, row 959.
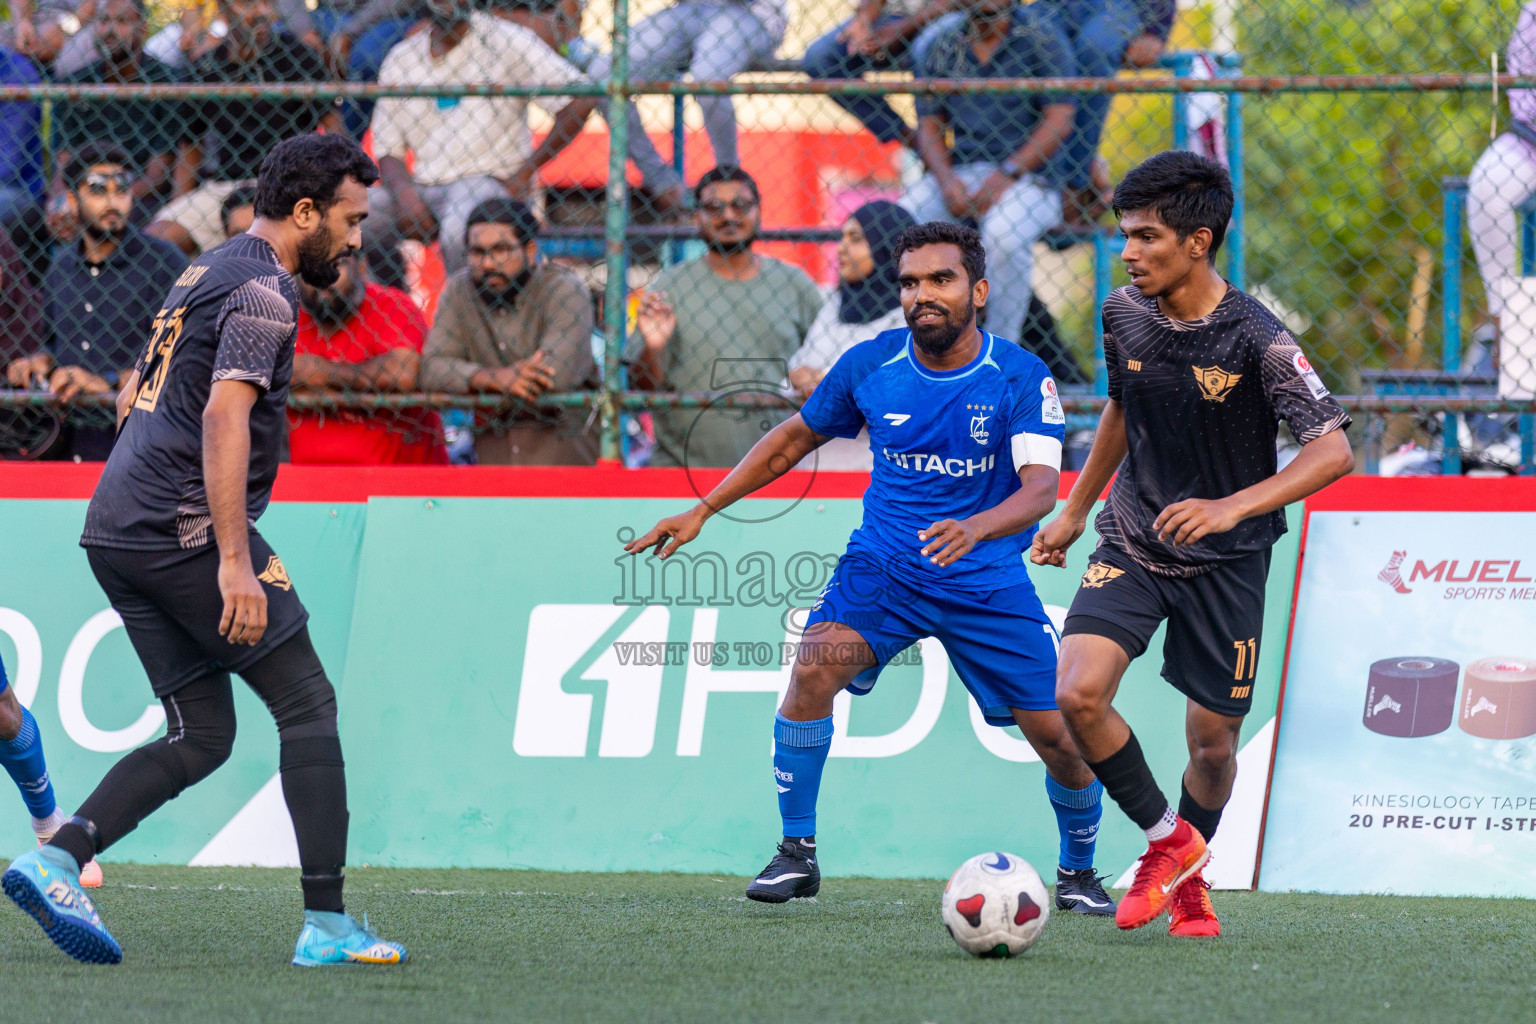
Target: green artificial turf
column 212, row 944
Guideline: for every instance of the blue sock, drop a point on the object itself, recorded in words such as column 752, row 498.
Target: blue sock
column 23, row 761
column 1077, row 818
column 799, row 752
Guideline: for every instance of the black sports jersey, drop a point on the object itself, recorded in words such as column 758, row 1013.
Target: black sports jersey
column 233, row 315
column 1202, row 401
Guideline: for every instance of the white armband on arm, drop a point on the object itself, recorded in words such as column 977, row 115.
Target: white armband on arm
column 1036, row 450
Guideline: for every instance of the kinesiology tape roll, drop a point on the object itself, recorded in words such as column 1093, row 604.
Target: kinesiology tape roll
column 1411, row 696
column 1499, row 700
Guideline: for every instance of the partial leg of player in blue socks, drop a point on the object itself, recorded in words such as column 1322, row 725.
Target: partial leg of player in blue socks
column 799, row 754
column 1078, row 887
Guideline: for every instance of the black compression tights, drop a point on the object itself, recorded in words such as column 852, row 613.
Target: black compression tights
column 200, row 731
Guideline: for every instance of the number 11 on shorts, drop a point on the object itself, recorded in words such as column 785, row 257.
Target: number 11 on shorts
column 1247, row 657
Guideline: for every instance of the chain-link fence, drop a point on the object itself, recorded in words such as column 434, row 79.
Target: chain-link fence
column 530, row 294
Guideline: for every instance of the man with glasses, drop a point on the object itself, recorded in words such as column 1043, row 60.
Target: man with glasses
column 100, row 297
column 511, row 324
column 729, row 319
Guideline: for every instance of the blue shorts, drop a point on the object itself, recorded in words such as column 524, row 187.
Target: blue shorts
column 1001, row 642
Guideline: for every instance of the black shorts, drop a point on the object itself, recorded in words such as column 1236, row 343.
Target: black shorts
column 171, row 605
column 1215, row 622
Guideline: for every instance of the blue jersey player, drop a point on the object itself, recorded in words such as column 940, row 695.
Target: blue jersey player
column 967, row 431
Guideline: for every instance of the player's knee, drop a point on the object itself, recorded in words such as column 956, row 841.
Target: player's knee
column 1213, row 756
column 1077, row 700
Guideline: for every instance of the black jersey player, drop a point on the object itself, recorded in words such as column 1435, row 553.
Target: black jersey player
column 171, row 537
column 1199, row 376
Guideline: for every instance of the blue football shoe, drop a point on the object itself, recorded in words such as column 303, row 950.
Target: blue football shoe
column 330, row 938
column 46, row 884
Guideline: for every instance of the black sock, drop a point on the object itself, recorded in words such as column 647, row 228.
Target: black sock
column 808, row 842
column 1128, row 780
column 1204, row 821
column 315, row 790
column 77, row 840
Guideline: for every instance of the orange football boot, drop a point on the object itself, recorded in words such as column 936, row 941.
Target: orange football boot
column 1191, row 915
column 1164, row 867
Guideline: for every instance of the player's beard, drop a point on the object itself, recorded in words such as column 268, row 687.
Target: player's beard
column 318, row 258
column 937, row 339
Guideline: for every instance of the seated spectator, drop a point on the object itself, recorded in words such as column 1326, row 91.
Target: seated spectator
column 238, row 212
column 713, row 40
column 1002, row 143
column 728, row 318
column 101, row 296
column 232, row 137
column 358, row 336
column 1103, row 34
column 21, row 316
column 149, row 132
column 466, row 150
column 21, row 144
column 866, row 302
column 515, row 325
column 54, row 33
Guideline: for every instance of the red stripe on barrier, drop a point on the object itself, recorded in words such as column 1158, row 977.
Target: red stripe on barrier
column 1426, row 494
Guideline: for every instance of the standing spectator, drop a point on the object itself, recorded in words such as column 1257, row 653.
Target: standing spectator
column 866, row 302
column 358, row 336
column 730, row 317
column 1504, row 177
column 713, row 40
column 232, row 137
column 512, row 324
column 1103, row 34
column 471, row 149
column 1002, row 142
column 101, row 296
column 238, row 212
column 148, row 132
column 21, row 144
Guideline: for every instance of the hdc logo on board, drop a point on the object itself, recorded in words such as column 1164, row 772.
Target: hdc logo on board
column 1477, row 579
column 627, row 650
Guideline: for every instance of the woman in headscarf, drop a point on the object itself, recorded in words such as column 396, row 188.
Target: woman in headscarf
column 867, row 301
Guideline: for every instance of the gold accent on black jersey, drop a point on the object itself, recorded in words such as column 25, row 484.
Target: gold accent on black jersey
column 1215, row 382
column 275, row 574
column 1099, row 574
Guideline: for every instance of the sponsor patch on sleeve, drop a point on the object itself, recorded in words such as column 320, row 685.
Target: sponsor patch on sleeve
column 1313, row 381
column 1050, row 404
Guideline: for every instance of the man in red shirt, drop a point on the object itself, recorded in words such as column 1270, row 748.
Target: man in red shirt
column 358, row 336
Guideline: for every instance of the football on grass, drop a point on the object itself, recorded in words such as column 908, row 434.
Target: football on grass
column 995, row 905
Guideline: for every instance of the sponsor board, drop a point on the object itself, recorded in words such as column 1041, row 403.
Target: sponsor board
column 1407, row 747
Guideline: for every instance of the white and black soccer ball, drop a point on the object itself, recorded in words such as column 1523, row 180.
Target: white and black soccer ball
column 995, row 905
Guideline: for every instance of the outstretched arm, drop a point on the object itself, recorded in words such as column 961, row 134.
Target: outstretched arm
column 779, row 451
column 950, row 539
column 1108, row 451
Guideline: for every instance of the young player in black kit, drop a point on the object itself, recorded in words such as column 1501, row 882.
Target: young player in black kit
column 1199, row 376
column 171, row 538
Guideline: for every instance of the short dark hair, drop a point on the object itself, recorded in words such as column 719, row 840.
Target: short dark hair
column 505, row 210
column 1186, row 191
column 242, row 196
column 724, row 173
column 92, row 154
column 309, row 166
column 973, row 255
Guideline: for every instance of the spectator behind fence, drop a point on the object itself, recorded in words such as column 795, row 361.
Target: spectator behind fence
column 101, row 298
column 21, row 144
column 469, row 149
column 230, row 138
column 148, row 131
column 1103, row 34
column 238, row 212
column 359, row 337
column 1001, row 143
column 1504, row 177
column 512, row 324
column 21, row 315
column 727, row 319
column 866, row 302
column 713, row 40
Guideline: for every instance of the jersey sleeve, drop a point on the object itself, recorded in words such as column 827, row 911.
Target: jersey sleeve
column 1111, row 357
column 254, row 324
column 1037, row 428
column 831, row 409
column 1297, row 394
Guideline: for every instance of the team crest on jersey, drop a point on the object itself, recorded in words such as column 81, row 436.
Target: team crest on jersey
column 979, row 416
column 1215, row 382
column 1099, row 574
column 275, row 574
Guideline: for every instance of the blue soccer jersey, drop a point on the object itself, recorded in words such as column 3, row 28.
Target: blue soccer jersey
column 947, row 445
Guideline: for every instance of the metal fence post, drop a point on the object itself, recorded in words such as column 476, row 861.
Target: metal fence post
column 1101, row 290
column 615, row 225
column 1237, row 242
column 1453, row 198
column 1183, row 64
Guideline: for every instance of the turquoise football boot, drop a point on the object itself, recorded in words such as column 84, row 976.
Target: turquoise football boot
column 46, row 884
column 337, row 939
